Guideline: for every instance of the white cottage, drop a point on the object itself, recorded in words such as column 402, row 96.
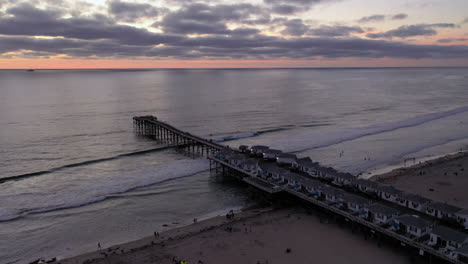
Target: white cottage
column 250, row 165
column 236, row 159
column 354, row 203
column 313, row 187
column 333, row 195
column 411, row 225
column 286, row 159
column 258, row 149
column 388, row 192
column 461, row 254
column 271, row 154
column 415, row 202
column 444, row 237
column 300, row 164
column 293, row 180
column 343, row 179
column 366, row 186
column 442, row 210
column 379, row 214
column 462, row 217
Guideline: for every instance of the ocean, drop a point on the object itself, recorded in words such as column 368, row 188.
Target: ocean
column 73, row 174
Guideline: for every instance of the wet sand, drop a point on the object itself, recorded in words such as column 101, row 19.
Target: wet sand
column 444, row 179
column 254, row 237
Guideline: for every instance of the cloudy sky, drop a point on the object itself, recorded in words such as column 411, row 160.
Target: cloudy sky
column 217, row 33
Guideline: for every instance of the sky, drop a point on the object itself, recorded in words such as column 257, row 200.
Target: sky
column 56, row 34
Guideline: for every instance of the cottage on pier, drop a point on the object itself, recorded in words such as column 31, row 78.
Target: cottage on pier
column 301, row 164
column 271, row 154
column 379, row 213
column 333, row 195
column 442, row 210
column 411, row 225
column 257, row 149
column 355, row 203
column 388, row 192
column 343, row 179
column 293, row 180
column 462, row 217
column 243, row 148
column 250, row 165
column 313, row 187
column 366, row 186
column 286, row 159
column 461, row 254
column 444, row 237
column 415, row 201
column 236, row 159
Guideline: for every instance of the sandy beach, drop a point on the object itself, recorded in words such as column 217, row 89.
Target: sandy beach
column 443, row 179
column 266, row 236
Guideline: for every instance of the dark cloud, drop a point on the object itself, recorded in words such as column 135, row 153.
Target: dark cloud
column 48, row 23
column 465, row 21
column 412, row 31
column 381, row 18
column 335, row 31
column 295, row 27
column 399, row 16
column 131, row 12
column 373, row 18
column 288, row 7
column 238, row 47
column 206, row 19
column 448, row 40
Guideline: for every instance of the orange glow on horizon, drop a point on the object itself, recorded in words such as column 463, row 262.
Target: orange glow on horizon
column 200, row 64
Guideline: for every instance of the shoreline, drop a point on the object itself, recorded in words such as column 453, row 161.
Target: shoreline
column 267, row 235
column 180, row 232
column 405, row 164
column 442, row 179
column 422, row 163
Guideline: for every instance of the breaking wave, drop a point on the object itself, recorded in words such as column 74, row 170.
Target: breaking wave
column 79, row 191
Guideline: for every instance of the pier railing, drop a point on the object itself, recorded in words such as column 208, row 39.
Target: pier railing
column 152, row 127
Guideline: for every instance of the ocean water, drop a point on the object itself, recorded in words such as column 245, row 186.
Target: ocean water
column 73, row 173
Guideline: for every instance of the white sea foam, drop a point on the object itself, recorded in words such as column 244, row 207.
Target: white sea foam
column 50, row 194
column 319, row 139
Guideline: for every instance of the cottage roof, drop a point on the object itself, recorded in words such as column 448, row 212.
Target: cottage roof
column 412, row 220
column 443, row 207
column 259, row 147
column 355, row 199
column 382, row 209
column 312, row 183
column 304, row 161
column 462, row 212
column 463, row 250
column 366, row 183
column 250, row 162
column 332, row 190
column 416, row 198
column 272, row 151
column 345, row 176
column 236, row 157
column 287, row 156
column 389, row 189
column 450, row 234
column 243, row 147
column 293, row 176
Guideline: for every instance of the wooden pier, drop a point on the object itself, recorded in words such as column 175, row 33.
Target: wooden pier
column 152, row 127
